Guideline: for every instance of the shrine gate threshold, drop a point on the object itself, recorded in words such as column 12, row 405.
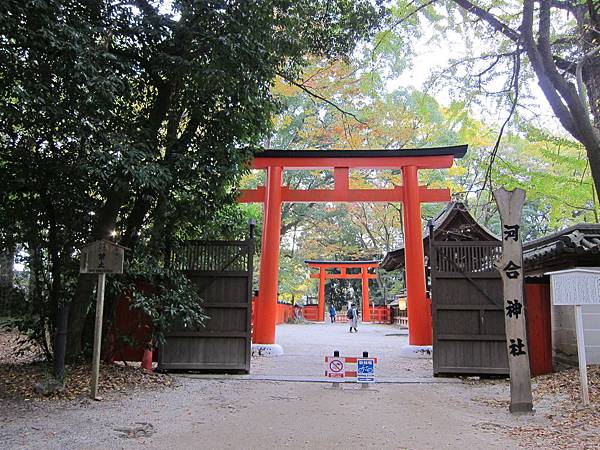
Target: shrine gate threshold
column 410, row 194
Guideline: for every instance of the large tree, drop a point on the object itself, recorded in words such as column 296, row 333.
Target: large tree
column 561, row 42
column 137, row 118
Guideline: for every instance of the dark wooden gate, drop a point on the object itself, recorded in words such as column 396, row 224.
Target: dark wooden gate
column 467, row 309
column 222, row 271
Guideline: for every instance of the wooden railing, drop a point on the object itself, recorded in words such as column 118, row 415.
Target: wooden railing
column 466, row 257
column 212, row 256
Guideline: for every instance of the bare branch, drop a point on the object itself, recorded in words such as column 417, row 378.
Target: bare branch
column 515, row 84
column 490, row 19
column 321, row 98
column 556, row 103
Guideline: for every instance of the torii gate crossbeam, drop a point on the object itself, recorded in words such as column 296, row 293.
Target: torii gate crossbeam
column 341, row 161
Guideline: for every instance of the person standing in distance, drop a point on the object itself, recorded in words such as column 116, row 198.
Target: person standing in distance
column 353, row 317
column 332, row 312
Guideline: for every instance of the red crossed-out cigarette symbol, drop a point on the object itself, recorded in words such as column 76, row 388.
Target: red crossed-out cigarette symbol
column 336, row 365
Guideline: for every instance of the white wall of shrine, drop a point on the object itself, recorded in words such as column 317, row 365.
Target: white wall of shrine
column 564, row 340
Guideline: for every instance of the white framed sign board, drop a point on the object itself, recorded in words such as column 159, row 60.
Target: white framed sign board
column 576, row 287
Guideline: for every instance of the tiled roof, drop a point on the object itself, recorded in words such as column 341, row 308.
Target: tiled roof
column 443, row 224
column 578, row 245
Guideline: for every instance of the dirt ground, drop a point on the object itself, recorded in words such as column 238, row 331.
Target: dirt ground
column 282, row 404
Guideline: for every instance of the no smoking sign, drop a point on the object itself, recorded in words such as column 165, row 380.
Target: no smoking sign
column 335, row 368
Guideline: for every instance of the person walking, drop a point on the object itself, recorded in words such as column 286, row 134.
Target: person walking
column 332, row 313
column 353, row 317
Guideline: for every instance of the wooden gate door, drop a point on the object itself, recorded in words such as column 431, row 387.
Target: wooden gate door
column 467, row 309
column 222, row 271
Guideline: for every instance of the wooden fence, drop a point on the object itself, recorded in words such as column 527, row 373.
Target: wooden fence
column 379, row 314
column 467, row 309
column 222, row 271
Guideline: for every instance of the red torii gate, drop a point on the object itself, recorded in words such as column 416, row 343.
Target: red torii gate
column 341, row 161
column 364, row 275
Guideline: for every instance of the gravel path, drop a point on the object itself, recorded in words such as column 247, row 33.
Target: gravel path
column 237, row 414
column 305, row 348
column 245, row 413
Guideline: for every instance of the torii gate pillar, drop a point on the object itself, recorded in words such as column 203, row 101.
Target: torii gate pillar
column 264, row 332
column 418, row 306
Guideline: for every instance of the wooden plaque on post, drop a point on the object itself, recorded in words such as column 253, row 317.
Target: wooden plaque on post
column 100, row 257
column 510, row 266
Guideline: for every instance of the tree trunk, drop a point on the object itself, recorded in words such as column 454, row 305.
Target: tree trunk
column 7, row 276
column 592, row 82
column 60, row 341
column 57, row 302
column 82, row 299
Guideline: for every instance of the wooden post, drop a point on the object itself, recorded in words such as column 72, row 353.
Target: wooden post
column 97, row 335
column 100, row 257
column 268, row 281
column 336, row 384
column 583, row 380
column 510, row 266
column 321, row 306
column 364, row 273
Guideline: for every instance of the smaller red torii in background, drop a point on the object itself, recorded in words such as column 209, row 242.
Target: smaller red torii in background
column 364, row 276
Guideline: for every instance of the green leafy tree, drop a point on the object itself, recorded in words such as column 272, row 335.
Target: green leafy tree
column 557, row 43
column 136, row 120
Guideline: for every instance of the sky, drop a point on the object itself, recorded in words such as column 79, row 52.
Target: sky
column 433, row 55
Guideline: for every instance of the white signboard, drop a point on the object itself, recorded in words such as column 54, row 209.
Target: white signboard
column 102, row 257
column 335, row 367
column 575, row 286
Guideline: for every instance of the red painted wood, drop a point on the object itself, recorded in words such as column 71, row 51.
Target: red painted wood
column 418, row 306
column 321, row 311
column 341, row 178
column 341, row 265
column 411, row 194
column 133, row 324
column 349, row 359
column 285, row 313
column 344, row 195
column 539, row 328
column 264, row 331
column 381, row 314
column 310, row 312
column 365, row 295
column 328, row 276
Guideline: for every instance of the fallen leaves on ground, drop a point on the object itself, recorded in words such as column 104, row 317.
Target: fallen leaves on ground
column 18, row 375
column 9, row 346
column 569, row 424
